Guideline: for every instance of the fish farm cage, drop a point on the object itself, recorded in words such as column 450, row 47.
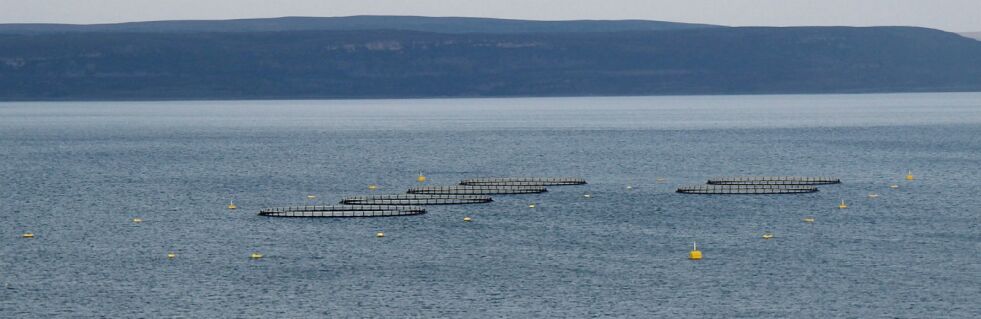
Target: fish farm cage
column 746, row 189
column 773, row 180
column 471, row 191
column 343, row 211
column 416, row 199
column 476, row 190
column 523, row 181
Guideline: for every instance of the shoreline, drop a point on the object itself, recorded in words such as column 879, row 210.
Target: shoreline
column 392, row 98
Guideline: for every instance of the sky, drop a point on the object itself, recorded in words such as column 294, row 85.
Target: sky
column 949, row 15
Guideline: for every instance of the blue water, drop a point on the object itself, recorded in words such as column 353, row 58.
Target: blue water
column 75, row 173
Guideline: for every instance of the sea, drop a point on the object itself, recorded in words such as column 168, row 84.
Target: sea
column 76, row 174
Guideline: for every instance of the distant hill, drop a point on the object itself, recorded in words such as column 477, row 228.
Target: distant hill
column 396, row 63
column 973, row 35
column 407, row 23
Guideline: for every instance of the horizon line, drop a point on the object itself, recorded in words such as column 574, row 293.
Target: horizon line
column 469, row 17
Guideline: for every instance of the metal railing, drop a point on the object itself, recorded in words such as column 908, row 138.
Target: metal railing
column 342, row 211
column 746, row 189
column 773, row 180
column 524, row 181
column 476, row 190
column 416, row 199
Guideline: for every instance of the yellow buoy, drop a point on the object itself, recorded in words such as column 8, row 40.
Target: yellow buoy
column 894, row 186
column 842, row 205
column 171, row 255
column 909, row 175
column 27, row 235
column 767, row 235
column 421, row 178
column 137, row 220
column 231, row 205
column 311, row 197
column 531, row 206
column 808, row 219
column 372, row 187
column 379, row 234
column 695, row 254
column 255, row 256
column 467, row 219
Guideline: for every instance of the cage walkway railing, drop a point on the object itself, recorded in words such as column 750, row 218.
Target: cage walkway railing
column 342, row 211
column 746, row 189
column 773, row 180
column 416, row 199
column 523, row 181
column 476, row 190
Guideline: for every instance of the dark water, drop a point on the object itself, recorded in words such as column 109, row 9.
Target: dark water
column 74, row 174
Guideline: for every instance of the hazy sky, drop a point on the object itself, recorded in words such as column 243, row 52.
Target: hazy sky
column 950, row 15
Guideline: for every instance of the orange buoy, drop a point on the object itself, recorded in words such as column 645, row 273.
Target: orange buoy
column 695, row 254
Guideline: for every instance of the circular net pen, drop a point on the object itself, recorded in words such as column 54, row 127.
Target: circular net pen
column 416, row 199
column 342, row 211
column 773, row 180
column 746, row 189
column 476, row 190
column 524, row 181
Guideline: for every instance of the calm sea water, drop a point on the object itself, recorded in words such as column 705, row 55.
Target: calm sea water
column 74, row 174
